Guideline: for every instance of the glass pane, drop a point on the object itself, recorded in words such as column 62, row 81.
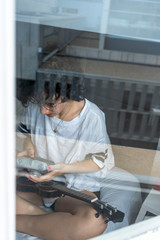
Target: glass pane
column 88, row 115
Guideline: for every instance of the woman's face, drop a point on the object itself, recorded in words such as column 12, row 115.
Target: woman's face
column 53, row 109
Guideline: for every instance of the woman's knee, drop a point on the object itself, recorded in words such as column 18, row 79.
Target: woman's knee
column 89, row 225
column 96, row 223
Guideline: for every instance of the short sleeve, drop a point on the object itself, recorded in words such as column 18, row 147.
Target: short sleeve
column 24, row 125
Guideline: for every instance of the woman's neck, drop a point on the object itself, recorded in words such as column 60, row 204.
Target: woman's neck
column 71, row 110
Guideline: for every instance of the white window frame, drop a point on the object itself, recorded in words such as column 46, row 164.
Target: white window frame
column 145, row 230
column 7, row 119
column 7, row 139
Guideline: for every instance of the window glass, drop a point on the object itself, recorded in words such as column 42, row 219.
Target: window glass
column 88, row 111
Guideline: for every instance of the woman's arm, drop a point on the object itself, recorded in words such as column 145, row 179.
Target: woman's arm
column 28, row 148
column 59, row 169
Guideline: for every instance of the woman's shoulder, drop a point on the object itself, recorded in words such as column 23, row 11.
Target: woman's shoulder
column 32, row 106
column 32, row 110
column 94, row 109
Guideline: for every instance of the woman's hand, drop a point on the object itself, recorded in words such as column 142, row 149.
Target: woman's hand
column 28, row 149
column 54, row 171
column 59, row 169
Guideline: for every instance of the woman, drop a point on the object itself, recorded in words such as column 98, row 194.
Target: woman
column 71, row 132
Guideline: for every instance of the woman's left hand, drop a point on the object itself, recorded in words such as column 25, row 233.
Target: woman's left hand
column 54, row 171
column 59, row 169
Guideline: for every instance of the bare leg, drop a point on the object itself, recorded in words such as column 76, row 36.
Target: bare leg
column 24, row 207
column 73, row 219
column 31, row 197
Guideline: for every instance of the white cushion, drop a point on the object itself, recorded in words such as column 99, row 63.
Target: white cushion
column 122, row 190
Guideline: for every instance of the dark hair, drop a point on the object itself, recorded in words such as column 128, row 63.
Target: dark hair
column 48, row 85
column 24, row 90
column 47, row 93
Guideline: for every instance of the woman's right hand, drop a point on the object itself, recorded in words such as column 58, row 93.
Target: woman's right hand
column 28, row 149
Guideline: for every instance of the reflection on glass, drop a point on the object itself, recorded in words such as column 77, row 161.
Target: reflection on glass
column 89, row 57
column 133, row 19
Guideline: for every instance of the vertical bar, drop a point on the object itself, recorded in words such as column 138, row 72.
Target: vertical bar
column 120, row 93
column 93, row 89
column 82, row 89
column 99, row 93
column 130, row 106
column 121, row 123
column 52, row 84
column 154, row 119
column 109, row 94
column 143, row 126
column 39, row 84
column 154, row 127
column 64, row 81
column 132, row 125
column 74, row 89
column 155, row 97
column 143, row 97
column 118, row 104
column 109, row 120
column 102, row 38
column 88, row 88
column 131, row 96
column 115, row 120
column 7, row 119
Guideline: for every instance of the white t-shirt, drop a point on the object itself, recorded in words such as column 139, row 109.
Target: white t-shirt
column 82, row 138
